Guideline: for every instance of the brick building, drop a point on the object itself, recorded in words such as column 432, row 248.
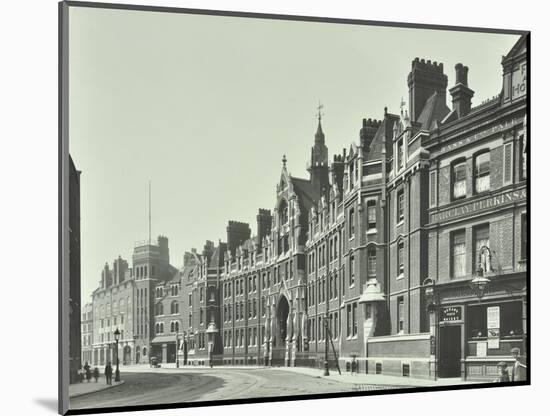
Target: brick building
column 478, row 226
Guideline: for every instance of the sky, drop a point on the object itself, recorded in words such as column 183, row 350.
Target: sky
column 204, row 107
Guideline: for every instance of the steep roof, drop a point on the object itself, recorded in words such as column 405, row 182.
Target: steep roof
column 374, row 152
column 434, row 111
column 305, row 191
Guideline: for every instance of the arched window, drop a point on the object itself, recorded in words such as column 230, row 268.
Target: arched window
column 351, row 222
column 177, row 326
column 283, row 212
column 174, row 307
column 482, row 166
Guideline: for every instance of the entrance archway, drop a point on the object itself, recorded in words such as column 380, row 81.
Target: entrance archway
column 282, row 316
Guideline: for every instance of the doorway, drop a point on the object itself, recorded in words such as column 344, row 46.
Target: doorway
column 450, row 351
column 282, row 316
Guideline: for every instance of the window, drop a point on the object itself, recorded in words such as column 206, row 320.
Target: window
column 507, row 162
column 458, row 254
column 349, row 323
column 400, row 314
column 352, row 270
column 201, row 317
column 371, row 215
column 174, row 307
column 351, row 223
column 400, row 258
column 201, row 294
column 433, row 188
column 523, row 156
column 354, row 318
column 284, row 212
column 482, row 172
column 400, row 205
column 523, row 236
column 458, row 180
column 400, row 154
column 371, row 261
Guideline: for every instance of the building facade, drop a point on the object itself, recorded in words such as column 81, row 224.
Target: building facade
column 87, row 320
column 74, row 273
column 477, row 226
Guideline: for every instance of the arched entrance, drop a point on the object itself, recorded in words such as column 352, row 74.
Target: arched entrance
column 282, row 316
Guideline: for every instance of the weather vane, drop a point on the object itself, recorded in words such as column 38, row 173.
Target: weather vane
column 319, row 113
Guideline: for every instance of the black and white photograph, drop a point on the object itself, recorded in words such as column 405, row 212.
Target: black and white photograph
column 267, row 208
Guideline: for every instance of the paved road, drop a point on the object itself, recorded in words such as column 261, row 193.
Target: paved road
column 169, row 386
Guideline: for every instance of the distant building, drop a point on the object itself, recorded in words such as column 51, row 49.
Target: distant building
column 125, row 300
column 87, row 321
column 74, row 272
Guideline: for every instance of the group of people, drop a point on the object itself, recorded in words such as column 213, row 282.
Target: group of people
column 87, row 373
column 518, row 369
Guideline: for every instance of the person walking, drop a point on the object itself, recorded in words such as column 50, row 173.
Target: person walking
column 504, row 376
column 518, row 369
column 87, row 372
column 96, row 373
column 109, row 373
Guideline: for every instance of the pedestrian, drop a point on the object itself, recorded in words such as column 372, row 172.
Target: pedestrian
column 211, row 363
column 504, row 376
column 87, row 371
column 518, row 369
column 80, row 374
column 109, row 373
column 96, row 373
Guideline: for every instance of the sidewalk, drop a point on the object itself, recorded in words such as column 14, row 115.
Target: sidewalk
column 79, row 389
column 374, row 379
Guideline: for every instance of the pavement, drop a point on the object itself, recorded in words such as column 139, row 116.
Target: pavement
column 345, row 377
column 79, row 389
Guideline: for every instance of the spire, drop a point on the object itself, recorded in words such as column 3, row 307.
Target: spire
column 319, row 136
column 284, row 161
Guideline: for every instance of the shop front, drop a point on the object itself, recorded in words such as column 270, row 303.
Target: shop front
column 476, row 331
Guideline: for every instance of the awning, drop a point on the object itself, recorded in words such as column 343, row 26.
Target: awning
column 164, row 339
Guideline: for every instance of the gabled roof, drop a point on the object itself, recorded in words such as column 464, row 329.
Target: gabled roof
column 377, row 143
column 433, row 112
column 519, row 48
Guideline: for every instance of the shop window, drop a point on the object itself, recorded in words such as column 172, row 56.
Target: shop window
column 406, row 371
column 458, row 253
column 458, row 179
column 477, row 322
column 483, row 172
column 511, row 323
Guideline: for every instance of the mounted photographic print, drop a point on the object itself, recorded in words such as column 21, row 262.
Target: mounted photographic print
column 266, row 208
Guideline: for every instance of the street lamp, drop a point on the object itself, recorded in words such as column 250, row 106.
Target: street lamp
column 325, row 320
column 211, row 331
column 480, row 281
column 117, row 372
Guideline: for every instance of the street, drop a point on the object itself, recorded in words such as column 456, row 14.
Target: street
column 158, row 386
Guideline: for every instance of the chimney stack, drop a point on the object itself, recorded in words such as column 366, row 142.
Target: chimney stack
column 425, row 78
column 460, row 93
column 263, row 221
column 237, row 233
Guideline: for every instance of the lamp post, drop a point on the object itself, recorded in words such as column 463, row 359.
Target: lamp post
column 325, row 323
column 117, row 371
column 480, row 281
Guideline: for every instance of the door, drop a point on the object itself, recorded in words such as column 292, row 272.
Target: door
column 450, row 342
